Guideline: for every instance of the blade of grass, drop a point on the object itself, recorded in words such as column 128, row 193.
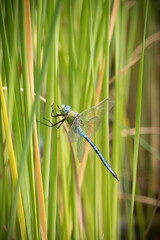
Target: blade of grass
column 30, row 125
column 13, row 167
column 36, row 150
column 12, row 75
column 8, row 70
column 105, row 174
column 27, row 109
column 92, row 77
column 100, row 79
column 82, row 42
column 53, row 166
column 74, row 204
column 4, row 183
column 71, row 47
column 6, row 58
column 137, row 124
column 47, row 137
column 66, row 214
column 116, row 130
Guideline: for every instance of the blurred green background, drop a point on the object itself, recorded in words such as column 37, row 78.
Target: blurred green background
column 79, row 53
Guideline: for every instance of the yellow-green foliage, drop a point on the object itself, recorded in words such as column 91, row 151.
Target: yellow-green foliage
column 79, row 53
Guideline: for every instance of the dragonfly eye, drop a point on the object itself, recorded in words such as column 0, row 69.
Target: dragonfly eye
column 65, row 109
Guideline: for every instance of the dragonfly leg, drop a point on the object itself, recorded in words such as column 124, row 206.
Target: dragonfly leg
column 48, row 121
column 52, row 125
column 58, row 115
column 54, row 110
column 62, row 121
column 52, row 106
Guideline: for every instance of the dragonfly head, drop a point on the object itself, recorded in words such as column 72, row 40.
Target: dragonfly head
column 65, row 109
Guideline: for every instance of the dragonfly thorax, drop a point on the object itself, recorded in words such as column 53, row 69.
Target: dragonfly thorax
column 71, row 115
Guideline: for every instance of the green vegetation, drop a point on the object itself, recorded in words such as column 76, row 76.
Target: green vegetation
column 79, row 53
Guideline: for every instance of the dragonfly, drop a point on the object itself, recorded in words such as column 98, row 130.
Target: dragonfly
column 83, row 126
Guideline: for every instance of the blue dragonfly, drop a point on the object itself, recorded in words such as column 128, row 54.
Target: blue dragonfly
column 83, row 126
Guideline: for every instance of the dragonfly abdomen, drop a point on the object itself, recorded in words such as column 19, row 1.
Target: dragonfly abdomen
column 99, row 154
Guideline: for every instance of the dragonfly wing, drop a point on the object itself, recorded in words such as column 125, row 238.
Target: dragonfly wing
column 97, row 111
column 74, row 136
column 73, row 133
column 90, row 119
column 80, row 148
column 90, row 127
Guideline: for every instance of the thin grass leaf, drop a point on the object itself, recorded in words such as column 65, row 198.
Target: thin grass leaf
column 106, row 175
column 13, row 167
column 137, row 124
column 53, row 166
column 31, row 211
column 36, row 150
column 73, row 66
column 30, row 125
column 116, row 129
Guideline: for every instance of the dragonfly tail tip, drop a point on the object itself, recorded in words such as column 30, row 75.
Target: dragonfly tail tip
column 116, row 177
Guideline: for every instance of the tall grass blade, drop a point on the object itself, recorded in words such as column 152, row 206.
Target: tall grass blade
column 30, row 125
column 36, row 150
column 13, row 168
column 137, row 123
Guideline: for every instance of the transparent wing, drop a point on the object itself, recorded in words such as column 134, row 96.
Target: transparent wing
column 73, row 133
column 97, row 111
column 80, row 148
column 89, row 120
column 91, row 126
column 88, row 127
